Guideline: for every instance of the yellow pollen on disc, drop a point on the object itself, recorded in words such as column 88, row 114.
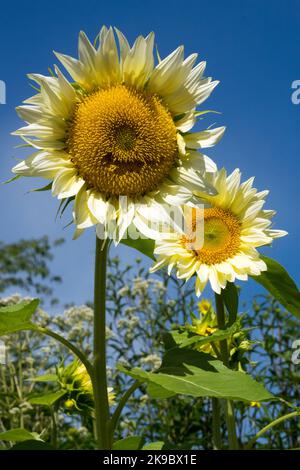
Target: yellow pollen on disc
column 122, row 141
column 221, row 237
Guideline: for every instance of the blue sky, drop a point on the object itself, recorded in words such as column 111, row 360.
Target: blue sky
column 252, row 47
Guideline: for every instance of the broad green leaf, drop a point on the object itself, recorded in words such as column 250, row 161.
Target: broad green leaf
column 47, row 399
column 129, row 443
column 279, row 283
column 32, row 445
column 197, row 374
column 18, row 435
column 156, row 391
column 218, row 335
column 17, row 317
column 157, row 445
column 231, row 300
column 144, row 246
column 175, row 337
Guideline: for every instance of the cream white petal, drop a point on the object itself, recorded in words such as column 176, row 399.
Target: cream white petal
column 203, row 273
column 139, row 62
column 123, row 45
column 125, row 218
column 174, row 194
column 74, row 67
column 42, row 164
column 45, row 132
column 30, row 113
column 214, row 281
column 67, row 183
column 82, row 216
column 107, row 59
column 86, row 51
column 199, row 162
column 276, row 233
column 192, row 180
column 97, row 205
column 44, row 144
column 199, row 286
column 186, row 122
column 204, row 139
column 145, row 227
column 159, row 265
column 164, row 79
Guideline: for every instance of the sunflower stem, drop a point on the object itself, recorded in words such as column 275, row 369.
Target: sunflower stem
column 216, row 424
column 102, row 417
column 229, row 409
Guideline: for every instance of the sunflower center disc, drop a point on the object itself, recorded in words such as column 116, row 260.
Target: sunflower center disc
column 122, row 141
column 221, row 238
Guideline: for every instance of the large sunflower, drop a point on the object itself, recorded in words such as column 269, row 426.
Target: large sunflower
column 234, row 224
column 121, row 127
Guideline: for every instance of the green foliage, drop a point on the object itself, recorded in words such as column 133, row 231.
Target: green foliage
column 139, row 306
column 18, row 435
column 17, row 317
column 143, row 245
column 129, row 443
column 280, row 285
column 183, row 341
column 197, row 374
column 48, row 399
column 32, row 445
column 231, row 300
column 158, row 445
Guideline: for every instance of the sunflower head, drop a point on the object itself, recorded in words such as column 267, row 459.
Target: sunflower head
column 120, row 127
column 234, row 225
column 204, row 306
column 203, row 325
column 75, row 380
column 122, row 141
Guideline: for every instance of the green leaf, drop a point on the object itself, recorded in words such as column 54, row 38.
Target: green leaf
column 14, row 178
column 157, row 445
column 32, row 445
column 48, row 187
column 200, row 113
column 197, row 374
column 17, row 317
column 145, row 246
column 156, row 391
column 218, row 335
column 44, row 378
column 18, row 435
column 129, row 443
column 48, row 399
column 279, row 283
column 175, row 337
column 231, row 299
column 63, row 206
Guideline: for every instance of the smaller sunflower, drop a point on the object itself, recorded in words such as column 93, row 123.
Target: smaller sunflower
column 76, row 381
column 234, row 224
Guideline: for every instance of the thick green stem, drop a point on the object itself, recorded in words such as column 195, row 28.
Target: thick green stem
column 99, row 376
column 229, row 409
column 216, row 424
